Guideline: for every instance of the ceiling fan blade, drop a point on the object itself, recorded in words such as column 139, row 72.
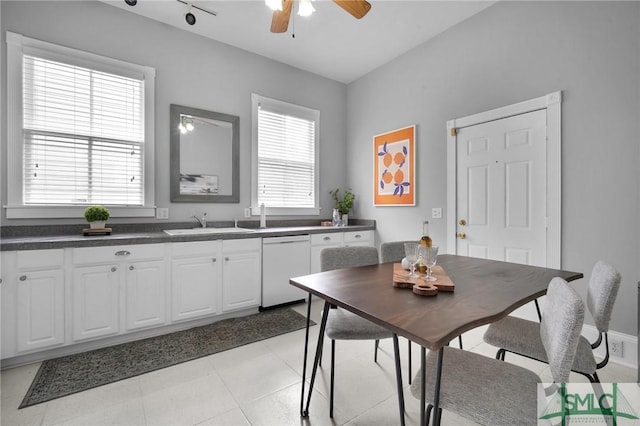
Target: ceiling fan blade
column 357, row 8
column 280, row 19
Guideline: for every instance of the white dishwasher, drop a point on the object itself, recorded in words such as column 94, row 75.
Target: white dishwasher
column 283, row 258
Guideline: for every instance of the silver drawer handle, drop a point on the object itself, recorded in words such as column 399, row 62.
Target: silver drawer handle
column 214, row 260
column 226, row 259
column 23, row 278
column 123, row 253
column 358, row 236
column 131, row 268
column 326, row 238
column 113, row 269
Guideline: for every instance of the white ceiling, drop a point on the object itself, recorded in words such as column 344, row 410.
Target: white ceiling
column 330, row 42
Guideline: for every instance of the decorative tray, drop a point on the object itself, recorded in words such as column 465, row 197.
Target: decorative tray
column 419, row 285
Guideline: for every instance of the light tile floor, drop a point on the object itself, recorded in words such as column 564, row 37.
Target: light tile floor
column 256, row 384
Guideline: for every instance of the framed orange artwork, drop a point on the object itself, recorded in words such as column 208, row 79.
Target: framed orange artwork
column 394, row 168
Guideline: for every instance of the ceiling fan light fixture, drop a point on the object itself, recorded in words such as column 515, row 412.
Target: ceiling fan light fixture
column 305, row 8
column 274, row 4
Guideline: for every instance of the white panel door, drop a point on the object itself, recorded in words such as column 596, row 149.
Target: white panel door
column 501, row 189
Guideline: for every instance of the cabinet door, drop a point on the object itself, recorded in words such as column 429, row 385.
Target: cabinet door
column 8, row 346
column 95, row 301
column 145, row 289
column 194, row 287
column 40, row 309
column 241, row 277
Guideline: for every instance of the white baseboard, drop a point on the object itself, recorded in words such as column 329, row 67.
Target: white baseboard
column 629, row 343
column 629, row 346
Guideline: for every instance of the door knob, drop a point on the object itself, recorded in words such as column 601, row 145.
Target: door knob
column 462, row 235
column 462, row 222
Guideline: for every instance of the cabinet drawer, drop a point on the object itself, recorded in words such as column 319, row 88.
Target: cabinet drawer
column 86, row 255
column 40, row 258
column 194, row 248
column 250, row 244
column 357, row 236
column 327, row 239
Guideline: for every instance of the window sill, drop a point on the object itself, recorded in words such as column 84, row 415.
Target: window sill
column 283, row 211
column 59, row 212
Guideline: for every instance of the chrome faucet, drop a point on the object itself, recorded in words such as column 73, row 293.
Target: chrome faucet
column 203, row 221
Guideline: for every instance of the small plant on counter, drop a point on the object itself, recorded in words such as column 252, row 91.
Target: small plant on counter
column 345, row 203
column 98, row 214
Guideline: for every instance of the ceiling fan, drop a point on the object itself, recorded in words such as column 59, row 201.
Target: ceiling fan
column 280, row 19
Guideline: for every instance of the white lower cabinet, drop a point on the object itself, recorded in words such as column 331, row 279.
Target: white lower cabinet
column 96, row 301
column 241, row 273
column 359, row 238
column 145, row 294
column 114, row 281
column 33, row 301
column 212, row 277
column 320, row 242
column 59, row 297
column 195, row 277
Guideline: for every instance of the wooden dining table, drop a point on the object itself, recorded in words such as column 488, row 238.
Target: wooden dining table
column 485, row 291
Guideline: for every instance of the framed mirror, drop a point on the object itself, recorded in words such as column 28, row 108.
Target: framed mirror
column 205, row 156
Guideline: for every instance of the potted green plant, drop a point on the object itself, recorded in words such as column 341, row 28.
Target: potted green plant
column 344, row 203
column 97, row 216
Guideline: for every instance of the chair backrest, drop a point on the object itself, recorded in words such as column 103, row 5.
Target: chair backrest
column 560, row 328
column 346, row 257
column 602, row 293
column 393, row 251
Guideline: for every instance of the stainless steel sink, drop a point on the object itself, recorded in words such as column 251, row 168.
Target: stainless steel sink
column 207, row 231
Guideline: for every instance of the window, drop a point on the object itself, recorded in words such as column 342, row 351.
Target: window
column 285, row 165
column 80, row 130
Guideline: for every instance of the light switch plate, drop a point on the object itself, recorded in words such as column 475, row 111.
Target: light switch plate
column 436, row 213
column 247, row 212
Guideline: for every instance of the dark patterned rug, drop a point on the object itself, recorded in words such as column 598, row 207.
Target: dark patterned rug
column 75, row 373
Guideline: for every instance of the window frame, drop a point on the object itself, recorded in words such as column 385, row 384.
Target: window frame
column 17, row 45
column 296, row 110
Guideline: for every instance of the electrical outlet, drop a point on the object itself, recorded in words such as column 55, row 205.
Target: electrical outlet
column 615, row 347
column 247, row 212
column 162, row 213
column 436, row 213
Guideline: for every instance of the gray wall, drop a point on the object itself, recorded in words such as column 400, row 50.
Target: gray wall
column 512, row 52
column 191, row 71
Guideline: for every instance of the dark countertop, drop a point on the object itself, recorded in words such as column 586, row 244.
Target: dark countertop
column 63, row 236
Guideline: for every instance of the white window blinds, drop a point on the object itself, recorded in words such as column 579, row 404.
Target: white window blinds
column 83, row 133
column 286, row 157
